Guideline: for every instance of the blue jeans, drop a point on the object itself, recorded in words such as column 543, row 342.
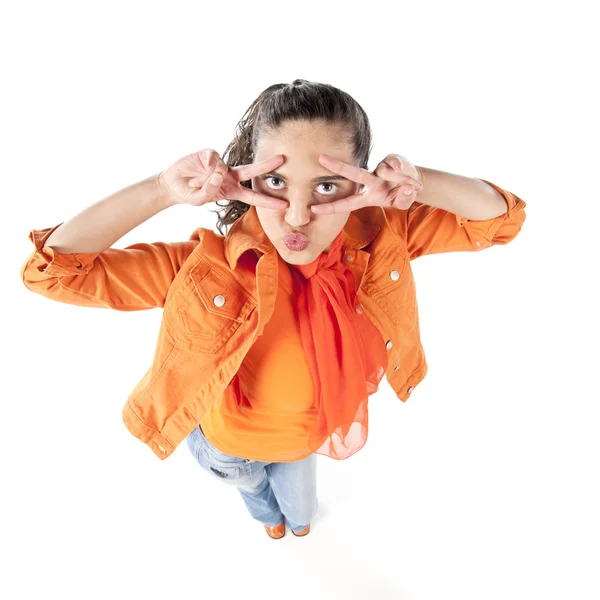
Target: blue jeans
column 272, row 491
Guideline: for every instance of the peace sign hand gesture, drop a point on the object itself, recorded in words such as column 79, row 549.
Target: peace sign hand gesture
column 395, row 182
column 190, row 180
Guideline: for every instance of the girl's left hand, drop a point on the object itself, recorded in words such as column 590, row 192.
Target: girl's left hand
column 385, row 186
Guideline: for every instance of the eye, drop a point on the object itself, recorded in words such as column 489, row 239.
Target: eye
column 334, row 186
column 270, row 177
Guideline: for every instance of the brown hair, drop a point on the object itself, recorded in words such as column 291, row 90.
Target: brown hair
column 300, row 100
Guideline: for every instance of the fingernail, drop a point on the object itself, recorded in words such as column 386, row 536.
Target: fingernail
column 215, row 179
column 408, row 191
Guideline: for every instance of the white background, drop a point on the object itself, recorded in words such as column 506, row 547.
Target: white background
column 484, row 484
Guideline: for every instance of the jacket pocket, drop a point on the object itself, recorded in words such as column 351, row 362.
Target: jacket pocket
column 391, row 271
column 207, row 310
column 391, row 284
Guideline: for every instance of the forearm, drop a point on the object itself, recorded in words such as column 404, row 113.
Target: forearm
column 463, row 196
column 100, row 225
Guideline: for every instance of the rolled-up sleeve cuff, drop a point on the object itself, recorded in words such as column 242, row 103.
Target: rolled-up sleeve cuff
column 53, row 263
column 491, row 226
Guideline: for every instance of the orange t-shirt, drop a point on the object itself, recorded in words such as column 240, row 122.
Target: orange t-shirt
column 263, row 416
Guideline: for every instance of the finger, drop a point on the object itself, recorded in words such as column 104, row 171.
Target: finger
column 211, row 187
column 394, row 161
column 344, row 205
column 386, row 172
column 207, row 193
column 396, row 165
column 211, row 161
column 246, row 172
column 251, row 197
column 349, row 171
column 220, row 167
column 199, row 181
column 196, row 181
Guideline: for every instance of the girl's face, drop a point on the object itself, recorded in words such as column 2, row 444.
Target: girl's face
column 302, row 181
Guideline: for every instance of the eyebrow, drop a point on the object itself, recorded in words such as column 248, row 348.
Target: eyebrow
column 316, row 179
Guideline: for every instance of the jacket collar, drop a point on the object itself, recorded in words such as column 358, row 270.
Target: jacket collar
column 247, row 234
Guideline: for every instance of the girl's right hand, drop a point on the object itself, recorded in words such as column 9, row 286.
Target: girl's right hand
column 188, row 181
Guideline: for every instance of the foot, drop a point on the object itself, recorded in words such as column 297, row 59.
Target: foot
column 276, row 532
column 303, row 532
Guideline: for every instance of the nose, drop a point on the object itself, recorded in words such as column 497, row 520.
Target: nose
column 298, row 212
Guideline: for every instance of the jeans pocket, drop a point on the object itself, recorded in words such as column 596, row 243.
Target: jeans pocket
column 232, row 472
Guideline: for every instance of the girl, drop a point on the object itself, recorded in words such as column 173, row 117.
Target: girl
column 275, row 334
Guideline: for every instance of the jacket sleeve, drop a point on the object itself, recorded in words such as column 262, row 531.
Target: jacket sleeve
column 431, row 230
column 137, row 277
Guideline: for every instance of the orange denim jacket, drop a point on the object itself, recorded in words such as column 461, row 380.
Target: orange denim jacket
column 215, row 306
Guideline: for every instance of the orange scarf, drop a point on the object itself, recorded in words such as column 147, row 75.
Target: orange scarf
column 344, row 349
